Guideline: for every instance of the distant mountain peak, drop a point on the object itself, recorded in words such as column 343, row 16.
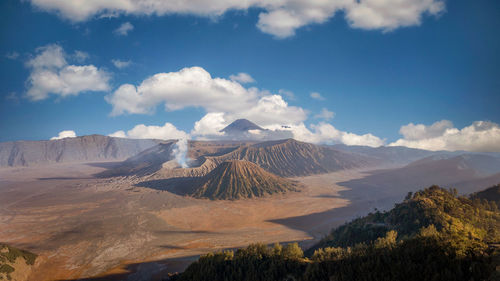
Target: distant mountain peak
column 241, row 125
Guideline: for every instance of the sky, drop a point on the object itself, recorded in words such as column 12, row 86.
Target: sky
column 417, row 73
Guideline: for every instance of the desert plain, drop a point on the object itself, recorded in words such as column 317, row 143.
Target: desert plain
column 116, row 229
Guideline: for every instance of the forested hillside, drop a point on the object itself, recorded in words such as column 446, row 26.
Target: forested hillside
column 489, row 194
column 443, row 209
column 432, row 235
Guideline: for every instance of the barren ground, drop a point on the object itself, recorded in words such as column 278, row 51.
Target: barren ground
column 111, row 229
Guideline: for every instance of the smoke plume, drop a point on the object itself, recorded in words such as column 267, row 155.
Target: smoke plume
column 180, row 152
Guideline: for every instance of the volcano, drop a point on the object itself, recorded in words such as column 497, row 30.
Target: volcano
column 241, row 126
column 238, row 179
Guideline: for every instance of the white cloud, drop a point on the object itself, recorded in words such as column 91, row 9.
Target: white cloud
column 479, row 136
column 210, row 125
column 12, row 55
column 281, row 23
column 141, row 131
column 321, row 133
column 51, row 74
column 316, row 96
column 420, row 131
column 80, row 56
column 64, row 134
column 325, row 114
column 328, row 134
column 120, row 63
column 194, row 87
column 118, row 134
column 50, row 56
column 271, row 109
column 242, row 78
column 225, row 101
column 279, row 18
column 124, row 29
column 390, row 15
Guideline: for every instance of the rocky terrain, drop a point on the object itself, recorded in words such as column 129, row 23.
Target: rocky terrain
column 286, row 158
column 93, row 148
column 289, row 158
column 237, row 179
column 145, row 162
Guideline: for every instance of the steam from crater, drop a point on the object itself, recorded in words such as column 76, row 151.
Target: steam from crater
column 180, row 151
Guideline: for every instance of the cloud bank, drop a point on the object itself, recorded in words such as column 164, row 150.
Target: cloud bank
column 224, row 100
column 141, row 131
column 480, row 136
column 51, row 74
column 278, row 18
column 195, row 87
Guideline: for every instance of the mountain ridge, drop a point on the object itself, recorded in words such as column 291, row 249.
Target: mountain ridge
column 90, row 148
column 289, row 158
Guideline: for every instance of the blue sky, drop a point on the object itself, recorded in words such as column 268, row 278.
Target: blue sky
column 375, row 77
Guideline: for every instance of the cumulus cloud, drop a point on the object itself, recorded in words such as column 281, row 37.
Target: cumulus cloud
column 51, row 74
column 225, row 101
column 322, row 133
column 279, row 18
column 64, row 134
column 242, row 78
column 480, row 136
column 141, row 131
column 418, row 132
column 328, row 134
column 210, row 125
column 316, row 96
column 118, row 134
column 124, row 29
column 389, row 15
column 325, row 114
column 195, row 87
column 121, row 63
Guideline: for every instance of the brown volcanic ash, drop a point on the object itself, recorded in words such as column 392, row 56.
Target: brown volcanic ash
column 236, row 179
column 289, row 158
